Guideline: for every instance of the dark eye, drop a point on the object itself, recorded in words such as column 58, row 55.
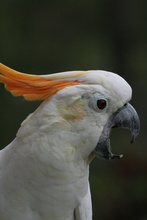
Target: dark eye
column 101, row 103
column 98, row 102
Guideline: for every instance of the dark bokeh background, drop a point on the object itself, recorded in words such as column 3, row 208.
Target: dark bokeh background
column 58, row 35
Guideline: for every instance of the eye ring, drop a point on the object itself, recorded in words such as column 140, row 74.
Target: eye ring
column 98, row 102
column 101, row 104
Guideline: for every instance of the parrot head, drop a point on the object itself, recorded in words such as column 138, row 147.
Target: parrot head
column 84, row 106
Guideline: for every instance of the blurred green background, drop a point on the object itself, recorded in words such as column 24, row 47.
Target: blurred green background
column 58, row 35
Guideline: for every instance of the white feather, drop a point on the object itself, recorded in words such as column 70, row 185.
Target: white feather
column 44, row 172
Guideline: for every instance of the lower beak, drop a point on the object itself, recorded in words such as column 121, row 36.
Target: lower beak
column 126, row 117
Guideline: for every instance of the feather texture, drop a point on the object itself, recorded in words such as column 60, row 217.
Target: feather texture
column 36, row 87
column 44, row 171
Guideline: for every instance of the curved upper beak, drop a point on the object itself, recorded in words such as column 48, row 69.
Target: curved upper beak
column 126, row 117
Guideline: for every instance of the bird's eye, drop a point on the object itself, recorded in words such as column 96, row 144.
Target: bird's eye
column 101, row 103
column 98, row 102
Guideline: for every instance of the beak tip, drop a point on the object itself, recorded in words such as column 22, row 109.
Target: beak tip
column 134, row 135
column 116, row 156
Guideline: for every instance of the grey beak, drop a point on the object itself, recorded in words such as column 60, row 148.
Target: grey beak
column 127, row 118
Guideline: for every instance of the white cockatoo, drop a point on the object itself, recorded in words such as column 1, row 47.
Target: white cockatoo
column 44, row 171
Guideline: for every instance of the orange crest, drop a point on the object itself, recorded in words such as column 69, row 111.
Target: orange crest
column 36, row 87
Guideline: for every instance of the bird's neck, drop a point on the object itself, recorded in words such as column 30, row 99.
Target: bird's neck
column 50, row 137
